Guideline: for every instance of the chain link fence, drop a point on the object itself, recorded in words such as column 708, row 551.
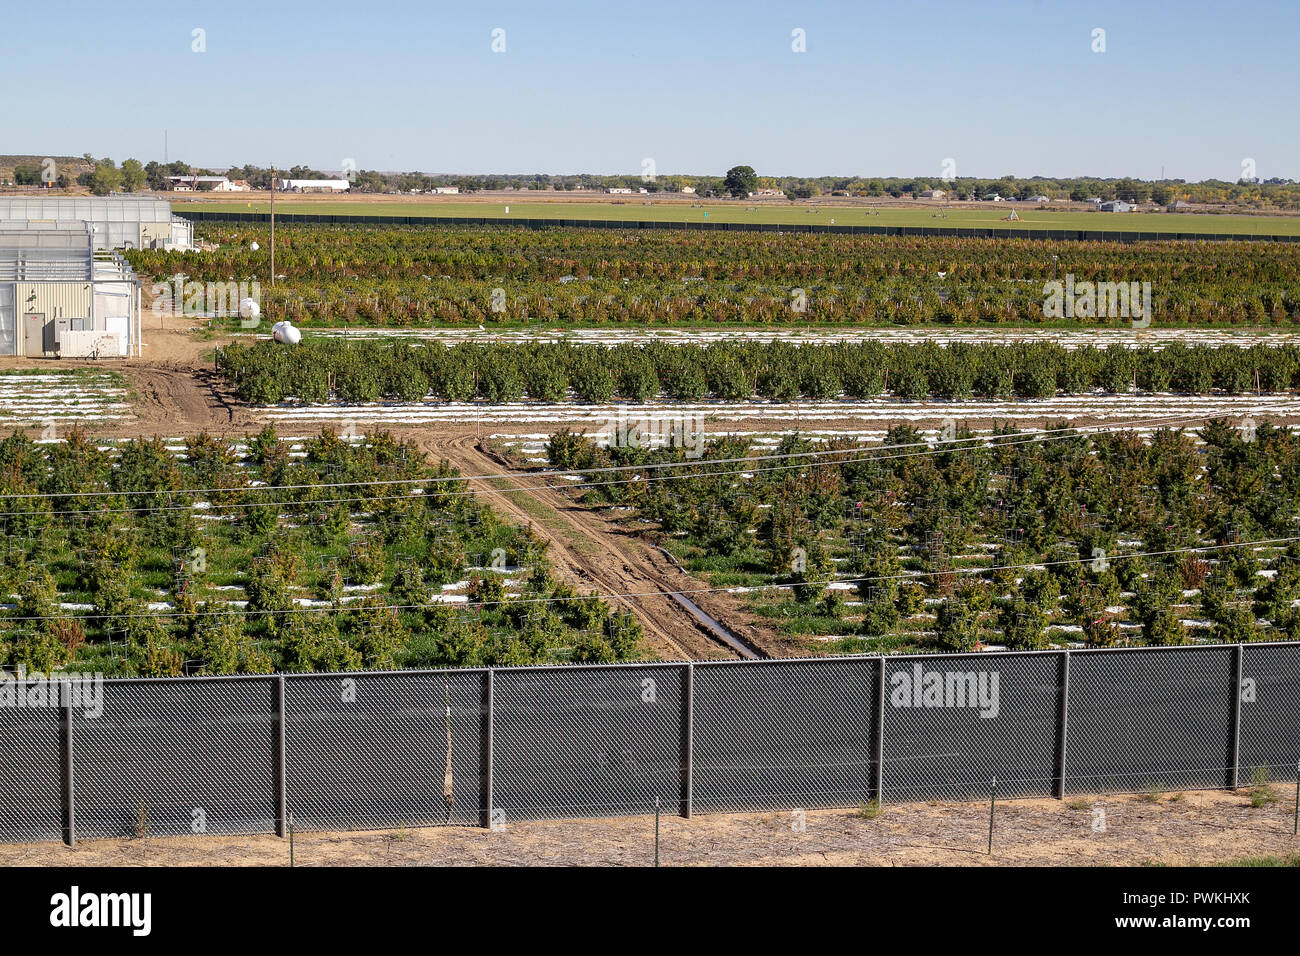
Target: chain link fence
column 485, row 747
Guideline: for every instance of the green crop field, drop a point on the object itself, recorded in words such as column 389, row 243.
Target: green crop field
column 319, row 553
column 1105, row 539
column 404, row 277
column 782, row 214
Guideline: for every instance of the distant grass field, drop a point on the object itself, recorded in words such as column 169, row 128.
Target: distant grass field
column 922, row 216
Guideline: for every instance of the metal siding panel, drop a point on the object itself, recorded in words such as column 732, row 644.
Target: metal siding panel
column 55, row 299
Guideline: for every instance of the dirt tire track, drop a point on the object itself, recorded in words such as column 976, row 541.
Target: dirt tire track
column 669, row 630
column 184, row 399
column 622, row 563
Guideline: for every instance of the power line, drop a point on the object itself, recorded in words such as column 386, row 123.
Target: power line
column 1165, row 420
column 244, row 612
column 978, row 443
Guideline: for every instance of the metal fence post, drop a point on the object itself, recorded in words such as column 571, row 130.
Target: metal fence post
column 879, row 783
column 1063, row 727
column 487, row 764
column 68, row 787
column 1237, row 663
column 688, row 741
column 277, row 755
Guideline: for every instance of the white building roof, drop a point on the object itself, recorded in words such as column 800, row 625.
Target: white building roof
column 46, row 254
column 89, row 208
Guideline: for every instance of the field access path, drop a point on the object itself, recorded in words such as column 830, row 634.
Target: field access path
column 589, row 550
column 171, row 397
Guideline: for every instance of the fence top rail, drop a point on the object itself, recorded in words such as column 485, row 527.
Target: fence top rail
column 662, row 665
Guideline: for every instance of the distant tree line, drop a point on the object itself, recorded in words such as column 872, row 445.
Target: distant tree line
column 1275, row 193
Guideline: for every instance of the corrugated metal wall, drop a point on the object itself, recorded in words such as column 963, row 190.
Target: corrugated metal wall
column 54, row 300
column 8, row 321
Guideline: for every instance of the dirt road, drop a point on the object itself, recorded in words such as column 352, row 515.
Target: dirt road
column 178, row 399
column 590, row 550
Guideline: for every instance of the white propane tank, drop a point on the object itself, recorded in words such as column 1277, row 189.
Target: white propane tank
column 254, row 246
column 285, row 333
column 249, row 309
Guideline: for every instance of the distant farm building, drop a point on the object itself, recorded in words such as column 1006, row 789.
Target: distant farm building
column 767, row 194
column 1180, row 205
column 933, row 194
column 215, row 184
column 445, row 190
column 314, row 185
column 689, row 190
column 1037, row 199
column 59, row 297
column 618, row 190
column 1116, row 205
column 116, row 222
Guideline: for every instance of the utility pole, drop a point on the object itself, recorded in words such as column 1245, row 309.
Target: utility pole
column 273, row 224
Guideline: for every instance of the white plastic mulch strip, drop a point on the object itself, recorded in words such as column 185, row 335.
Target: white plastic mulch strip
column 885, row 411
column 1067, row 338
column 37, row 399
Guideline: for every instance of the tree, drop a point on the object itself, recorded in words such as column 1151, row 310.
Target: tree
column 740, row 181
column 106, row 178
column 957, row 626
column 133, row 175
column 1131, row 191
column 1025, row 615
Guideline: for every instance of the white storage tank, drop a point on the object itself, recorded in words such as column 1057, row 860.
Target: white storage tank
column 285, row 333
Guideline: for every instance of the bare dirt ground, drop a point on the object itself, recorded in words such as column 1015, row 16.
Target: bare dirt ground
column 173, row 391
column 176, row 398
column 1202, row 828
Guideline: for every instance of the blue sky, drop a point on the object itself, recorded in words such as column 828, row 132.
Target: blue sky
column 883, row 88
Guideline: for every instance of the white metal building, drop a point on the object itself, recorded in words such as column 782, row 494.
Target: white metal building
column 59, row 297
column 118, row 222
column 314, row 185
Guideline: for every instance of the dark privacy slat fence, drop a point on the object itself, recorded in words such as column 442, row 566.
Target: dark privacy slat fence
column 967, row 232
column 484, row 747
